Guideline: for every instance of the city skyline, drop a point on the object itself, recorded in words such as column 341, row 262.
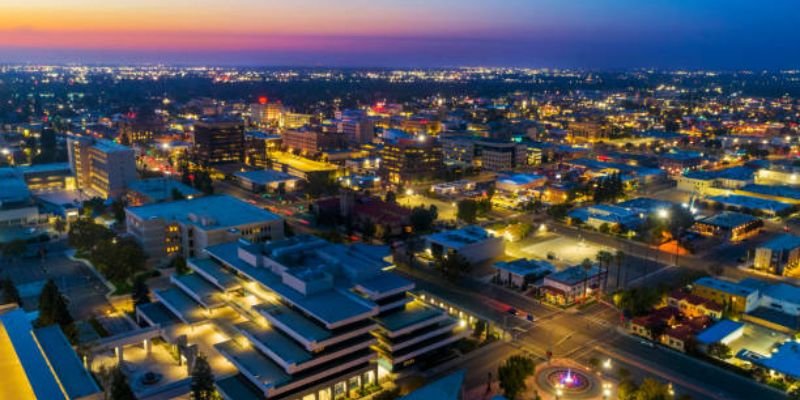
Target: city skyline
column 582, row 34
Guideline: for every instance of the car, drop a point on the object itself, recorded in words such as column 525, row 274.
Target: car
column 647, row 343
column 512, row 311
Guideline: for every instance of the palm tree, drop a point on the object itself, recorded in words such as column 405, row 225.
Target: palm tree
column 619, row 256
column 604, row 259
column 587, row 265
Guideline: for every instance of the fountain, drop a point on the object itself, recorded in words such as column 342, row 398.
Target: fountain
column 569, row 381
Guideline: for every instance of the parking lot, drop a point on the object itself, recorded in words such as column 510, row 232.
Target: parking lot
column 85, row 292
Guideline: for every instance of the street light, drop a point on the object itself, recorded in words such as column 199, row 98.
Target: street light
column 607, row 364
column 663, row 213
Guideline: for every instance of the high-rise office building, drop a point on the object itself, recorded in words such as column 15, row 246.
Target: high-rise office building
column 101, row 167
column 405, row 160
column 218, row 141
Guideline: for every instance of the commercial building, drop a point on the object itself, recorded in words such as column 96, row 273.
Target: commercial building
column 258, row 146
column 266, row 181
column 40, row 363
column 101, row 167
column 778, row 256
column 732, row 296
column 729, row 225
column 749, row 203
column 303, row 318
column 522, row 271
column 17, row 207
column 473, row 243
column 186, row 227
column 573, row 284
column 487, row 154
column 157, row 190
column 218, row 141
column 516, row 183
column 411, row 160
column 701, row 181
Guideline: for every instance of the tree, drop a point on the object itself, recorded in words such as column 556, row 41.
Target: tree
column 179, row 263
column 604, row 259
column 587, row 266
column 10, row 293
column 390, row 197
column 319, row 185
column 84, row 234
column 512, row 375
column 177, row 195
column 140, row 292
column 651, row 389
column 60, row 225
column 368, row 229
column 93, row 205
column 14, row 248
column 422, row 218
column 467, row 211
column 118, row 209
column 719, row 350
column 480, row 327
column 120, row 389
column 454, row 265
column 619, row 257
column 53, row 309
column 202, row 380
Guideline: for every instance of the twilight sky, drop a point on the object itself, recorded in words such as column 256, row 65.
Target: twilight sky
column 721, row 34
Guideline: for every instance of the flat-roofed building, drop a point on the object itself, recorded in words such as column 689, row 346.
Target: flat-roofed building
column 17, row 207
column 778, row 256
column 40, row 363
column 102, row 167
column 411, row 160
column 573, row 284
column 729, row 225
column 305, row 318
column 267, row 181
column 157, row 190
column 218, row 141
column 473, row 242
column 186, row 227
column 731, row 295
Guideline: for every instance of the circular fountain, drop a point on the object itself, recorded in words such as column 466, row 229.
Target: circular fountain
column 570, row 382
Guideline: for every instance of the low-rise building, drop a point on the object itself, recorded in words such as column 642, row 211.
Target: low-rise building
column 701, row 181
column 521, row 271
column 40, row 363
column 694, row 306
column 157, row 190
column 574, row 284
column 474, row 243
column 731, row 295
column 186, row 227
column 779, row 256
column 729, row 225
column 266, row 181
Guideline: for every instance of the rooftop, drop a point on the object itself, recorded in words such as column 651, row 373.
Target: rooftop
column 459, row 238
column 160, row 189
column 182, row 305
column 447, row 388
column 725, row 286
column 790, row 192
column 719, row 331
column 573, row 275
column 734, row 173
column 729, row 220
column 285, row 348
column 783, row 292
column 751, row 202
column 786, row 360
column 209, row 212
column 524, row 266
column 414, row 312
column 39, row 363
column 782, row 243
column 255, row 364
column 264, row 176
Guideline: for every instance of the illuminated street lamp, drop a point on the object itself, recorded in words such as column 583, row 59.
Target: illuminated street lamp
column 662, row 213
column 607, row 364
